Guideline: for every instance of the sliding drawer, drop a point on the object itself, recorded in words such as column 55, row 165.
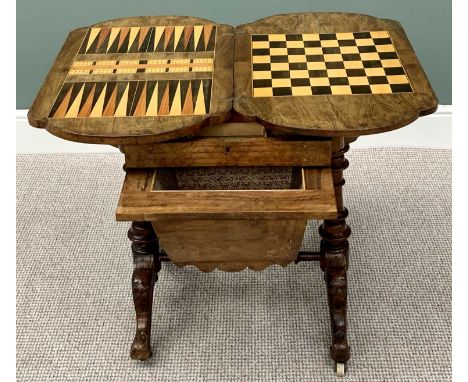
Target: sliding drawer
column 230, row 227
column 155, row 195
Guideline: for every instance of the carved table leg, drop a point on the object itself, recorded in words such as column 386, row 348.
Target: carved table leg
column 146, row 262
column 334, row 259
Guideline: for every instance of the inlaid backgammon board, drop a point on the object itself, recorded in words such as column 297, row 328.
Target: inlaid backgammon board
column 234, row 137
column 125, row 80
column 101, row 87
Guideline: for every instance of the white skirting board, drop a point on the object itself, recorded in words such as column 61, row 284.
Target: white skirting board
column 433, row 131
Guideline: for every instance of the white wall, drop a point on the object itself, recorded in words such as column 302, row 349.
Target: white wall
column 434, row 131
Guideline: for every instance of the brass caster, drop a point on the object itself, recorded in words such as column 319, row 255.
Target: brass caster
column 340, row 369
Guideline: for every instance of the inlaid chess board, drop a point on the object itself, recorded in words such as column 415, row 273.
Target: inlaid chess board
column 140, row 71
column 326, row 63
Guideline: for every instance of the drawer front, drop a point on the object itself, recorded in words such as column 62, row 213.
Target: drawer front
column 229, row 152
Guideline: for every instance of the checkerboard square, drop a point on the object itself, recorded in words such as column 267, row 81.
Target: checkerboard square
column 299, row 73
column 313, row 51
column 261, row 75
column 365, row 42
column 275, row 59
column 283, row 91
column 367, row 49
column 339, row 81
column 276, row 37
column 379, row 34
column 260, row 44
column 320, row 81
column 332, row 50
column 295, row 44
column 401, row 88
column 300, row 82
column 349, row 50
column 312, row 44
column 277, row 44
column 295, row 51
column 332, row 57
column 261, row 67
column 381, row 89
column 301, row 91
column 260, row 52
column 311, row 37
column 327, row 36
column 261, row 59
column 353, row 65
column 391, row 63
column 260, row 37
column 341, row 90
column 374, row 72
column 337, row 73
column 321, row 90
column 377, row 80
column 373, row 64
column 335, row 65
column 275, row 66
column 318, row 73
column 316, row 65
column 329, row 43
column 361, row 35
column 351, row 57
column 358, row 81
column 356, row 72
column 385, row 48
column 369, row 56
column 294, row 37
column 280, row 74
column 361, row 89
column 382, row 41
column 297, row 58
column 298, row 66
column 262, row 92
column 345, row 36
column 397, row 79
column 388, row 55
column 281, row 82
column 278, row 52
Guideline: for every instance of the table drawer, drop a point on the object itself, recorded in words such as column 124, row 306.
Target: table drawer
column 224, row 228
column 154, row 195
column 233, row 151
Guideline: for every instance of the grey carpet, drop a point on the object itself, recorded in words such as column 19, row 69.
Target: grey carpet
column 75, row 318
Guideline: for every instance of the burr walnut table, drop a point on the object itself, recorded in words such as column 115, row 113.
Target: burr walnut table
column 186, row 98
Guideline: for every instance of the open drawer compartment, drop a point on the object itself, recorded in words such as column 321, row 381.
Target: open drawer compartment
column 253, row 225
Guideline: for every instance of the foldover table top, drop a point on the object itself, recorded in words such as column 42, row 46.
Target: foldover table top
column 151, row 79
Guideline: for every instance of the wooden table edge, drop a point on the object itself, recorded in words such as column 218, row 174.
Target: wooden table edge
column 305, row 131
column 183, row 131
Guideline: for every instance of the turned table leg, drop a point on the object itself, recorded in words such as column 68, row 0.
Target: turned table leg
column 146, row 262
column 334, row 260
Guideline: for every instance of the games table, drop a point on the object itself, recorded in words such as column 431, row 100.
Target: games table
column 276, row 101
